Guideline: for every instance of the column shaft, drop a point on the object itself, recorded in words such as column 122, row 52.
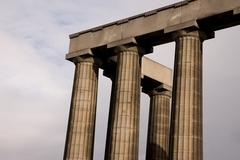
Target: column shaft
column 81, row 125
column 122, row 143
column 186, row 125
column 158, row 126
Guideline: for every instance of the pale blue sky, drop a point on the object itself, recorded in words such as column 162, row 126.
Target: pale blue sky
column 36, row 80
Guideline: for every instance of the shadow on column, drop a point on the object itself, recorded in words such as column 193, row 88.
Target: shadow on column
column 156, row 152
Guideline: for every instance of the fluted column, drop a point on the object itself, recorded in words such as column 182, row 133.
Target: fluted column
column 122, row 140
column 186, row 122
column 158, row 125
column 81, row 125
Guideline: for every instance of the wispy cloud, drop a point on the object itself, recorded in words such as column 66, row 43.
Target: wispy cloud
column 36, row 81
column 30, row 91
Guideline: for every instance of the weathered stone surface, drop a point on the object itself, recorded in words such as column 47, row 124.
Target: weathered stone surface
column 156, row 71
column 158, row 124
column 152, row 70
column 122, row 140
column 180, row 22
column 150, row 27
column 150, row 78
column 81, row 125
column 186, row 124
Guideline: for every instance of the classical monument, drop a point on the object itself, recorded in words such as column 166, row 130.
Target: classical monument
column 174, row 132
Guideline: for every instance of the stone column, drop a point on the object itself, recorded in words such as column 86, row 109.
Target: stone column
column 81, row 125
column 186, row 122
column 122, row 140
column 158, row 124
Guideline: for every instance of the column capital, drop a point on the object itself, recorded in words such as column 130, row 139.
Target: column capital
column 129, row 44
column 202, row 35
column 83, row 56
column 72, row 55
column 162, row 89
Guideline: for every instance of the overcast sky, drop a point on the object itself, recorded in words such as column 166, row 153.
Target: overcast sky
column 36, row 80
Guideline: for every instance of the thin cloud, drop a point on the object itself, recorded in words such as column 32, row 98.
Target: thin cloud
column 36, row 81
